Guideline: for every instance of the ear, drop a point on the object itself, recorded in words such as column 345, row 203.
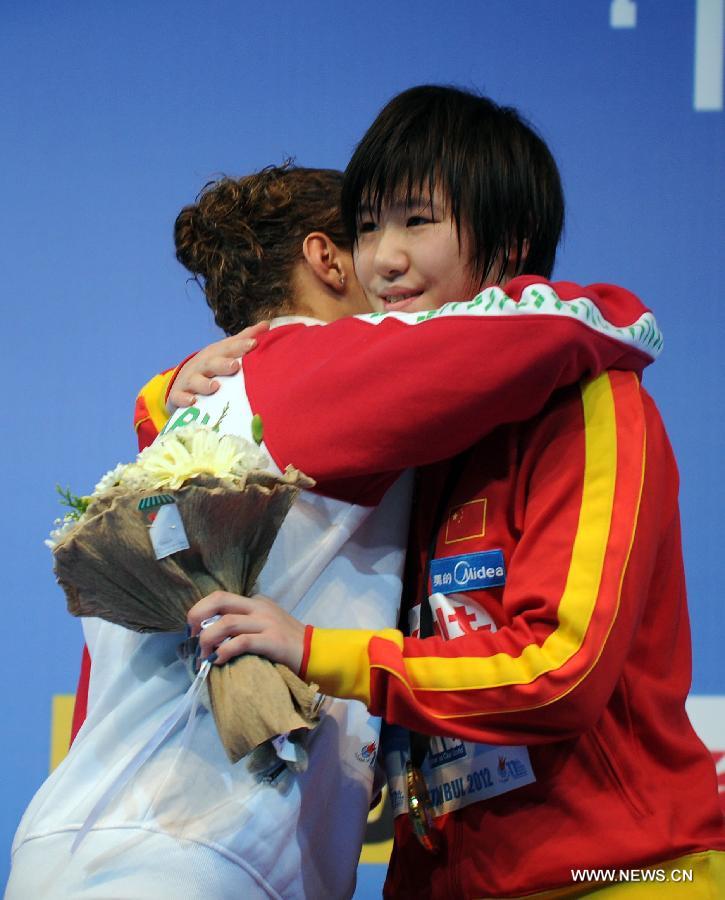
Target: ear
column 324, row 259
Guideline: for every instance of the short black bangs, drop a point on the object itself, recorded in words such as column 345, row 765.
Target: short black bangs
column 401, row 158
column 497, row 176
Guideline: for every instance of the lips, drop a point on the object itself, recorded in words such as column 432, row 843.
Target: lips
column 399, row 300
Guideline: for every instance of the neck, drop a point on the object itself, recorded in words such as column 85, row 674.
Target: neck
column 313, row 298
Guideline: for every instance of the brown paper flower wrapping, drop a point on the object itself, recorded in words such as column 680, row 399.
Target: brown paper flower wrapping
column 107, row 568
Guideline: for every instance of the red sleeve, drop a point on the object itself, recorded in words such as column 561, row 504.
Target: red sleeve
column 355, row 402
column 571, row 602
column 146, row 430
column 81, row 703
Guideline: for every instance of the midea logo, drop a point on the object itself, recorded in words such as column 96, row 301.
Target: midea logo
column 464, row 572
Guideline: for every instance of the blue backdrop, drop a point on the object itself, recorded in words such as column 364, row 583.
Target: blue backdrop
column 113, row 116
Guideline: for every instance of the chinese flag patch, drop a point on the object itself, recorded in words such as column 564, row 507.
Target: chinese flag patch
column 466, row 521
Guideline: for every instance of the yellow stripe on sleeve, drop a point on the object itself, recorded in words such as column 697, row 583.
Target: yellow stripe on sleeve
column 581, row 591
column 154, row 395
column 61, row 721
column 339, row 661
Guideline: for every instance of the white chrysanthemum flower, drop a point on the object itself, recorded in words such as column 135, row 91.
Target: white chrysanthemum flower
column 186, row 452
column 65, row 525
column 135, row 478
column 111, row 479
column 169, row 462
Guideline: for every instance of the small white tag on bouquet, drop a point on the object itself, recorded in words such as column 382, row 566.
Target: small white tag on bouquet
column 166, row 530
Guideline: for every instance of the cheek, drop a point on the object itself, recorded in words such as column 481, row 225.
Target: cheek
column 464, row 280
column 358, row 296
column 448, row 265
column 463, row 283
column 361, row 259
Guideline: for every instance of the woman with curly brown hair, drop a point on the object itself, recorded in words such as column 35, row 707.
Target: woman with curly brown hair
column 191, row 824
column 271, row 244
column 268, row 244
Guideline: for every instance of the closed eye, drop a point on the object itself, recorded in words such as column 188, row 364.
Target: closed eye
column 367, row 226
column 415, row 221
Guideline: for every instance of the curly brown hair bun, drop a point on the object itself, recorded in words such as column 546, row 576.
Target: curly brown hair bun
column 243, row 238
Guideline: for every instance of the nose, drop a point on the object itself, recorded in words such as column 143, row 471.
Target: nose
column 391, row 256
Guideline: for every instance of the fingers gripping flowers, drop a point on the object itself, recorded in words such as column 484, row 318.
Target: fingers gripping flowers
column 247, row 625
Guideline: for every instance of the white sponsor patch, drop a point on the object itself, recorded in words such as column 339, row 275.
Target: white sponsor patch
column 457, row 773
column 453, row 616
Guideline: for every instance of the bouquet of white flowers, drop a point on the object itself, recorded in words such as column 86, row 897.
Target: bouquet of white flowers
column 195, row 512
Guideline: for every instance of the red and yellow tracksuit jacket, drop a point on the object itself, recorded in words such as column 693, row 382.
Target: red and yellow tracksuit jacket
column 590, row 662
column 589, row 666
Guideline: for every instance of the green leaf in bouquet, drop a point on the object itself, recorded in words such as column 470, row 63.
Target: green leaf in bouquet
column 77, row 505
